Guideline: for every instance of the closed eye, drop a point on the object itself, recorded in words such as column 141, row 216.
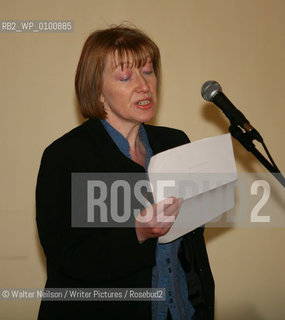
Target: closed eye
column 124, row 79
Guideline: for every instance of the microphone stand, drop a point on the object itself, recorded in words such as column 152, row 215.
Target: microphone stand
column 246, row 138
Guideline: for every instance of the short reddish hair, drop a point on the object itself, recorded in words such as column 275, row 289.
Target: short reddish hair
column 121, row 40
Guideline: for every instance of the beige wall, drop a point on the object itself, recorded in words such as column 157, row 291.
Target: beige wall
column 239, row 43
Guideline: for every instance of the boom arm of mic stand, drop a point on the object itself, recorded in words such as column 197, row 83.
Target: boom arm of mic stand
column 245, row 138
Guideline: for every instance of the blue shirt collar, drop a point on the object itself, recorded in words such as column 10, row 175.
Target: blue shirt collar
column 123, row 144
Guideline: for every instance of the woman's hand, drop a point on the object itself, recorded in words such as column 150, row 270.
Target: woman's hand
column 156, row 220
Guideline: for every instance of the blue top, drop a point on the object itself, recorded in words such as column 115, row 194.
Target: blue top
column 168, row 272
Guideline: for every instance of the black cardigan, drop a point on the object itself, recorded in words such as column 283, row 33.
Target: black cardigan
column 106, row 257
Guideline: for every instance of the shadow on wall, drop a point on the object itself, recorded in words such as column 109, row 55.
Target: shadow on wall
column 242, row 312
column 212, row 233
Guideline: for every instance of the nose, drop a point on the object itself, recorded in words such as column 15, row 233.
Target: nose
column 142, row 83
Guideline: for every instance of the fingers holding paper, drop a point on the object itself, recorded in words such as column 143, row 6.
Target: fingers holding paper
column 156, row 220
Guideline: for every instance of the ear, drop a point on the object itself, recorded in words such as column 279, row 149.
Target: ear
column 102, row 98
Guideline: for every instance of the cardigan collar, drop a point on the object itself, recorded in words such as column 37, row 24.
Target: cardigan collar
column 100, row 133
column 104, row 142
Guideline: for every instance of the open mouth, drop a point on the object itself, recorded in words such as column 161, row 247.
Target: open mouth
column 146, row 103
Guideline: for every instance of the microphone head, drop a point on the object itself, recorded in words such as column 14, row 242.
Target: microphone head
column 210, row 89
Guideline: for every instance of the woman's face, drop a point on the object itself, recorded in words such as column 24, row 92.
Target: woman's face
column 129, row 94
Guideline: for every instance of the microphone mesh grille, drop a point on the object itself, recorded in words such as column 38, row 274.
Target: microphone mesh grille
column 210, row 89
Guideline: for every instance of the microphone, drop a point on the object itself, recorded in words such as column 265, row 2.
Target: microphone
column 212, row 91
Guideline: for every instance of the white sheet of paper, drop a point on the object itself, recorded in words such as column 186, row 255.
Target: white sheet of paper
column 203, row 174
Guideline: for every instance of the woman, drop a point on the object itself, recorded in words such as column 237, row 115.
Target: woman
column 117, row 82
